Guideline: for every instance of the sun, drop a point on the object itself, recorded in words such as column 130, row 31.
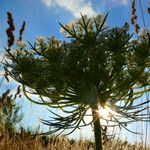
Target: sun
column 105, row 113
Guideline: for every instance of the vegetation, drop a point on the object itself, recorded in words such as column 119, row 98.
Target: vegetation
column 10, row 114
column 26, row 140
column 23, row 139
column 98, row 67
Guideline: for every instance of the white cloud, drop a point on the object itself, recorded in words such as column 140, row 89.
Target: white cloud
column 48, row 3
column 118, row 2
column 123, row 2
column 108, row 4
column 74, row 6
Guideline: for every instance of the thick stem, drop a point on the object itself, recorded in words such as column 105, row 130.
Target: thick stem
column 97, row 129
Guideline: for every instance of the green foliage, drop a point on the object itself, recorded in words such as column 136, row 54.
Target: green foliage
column 100, row 66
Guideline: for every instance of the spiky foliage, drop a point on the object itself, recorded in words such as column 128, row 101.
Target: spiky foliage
column 99, row 67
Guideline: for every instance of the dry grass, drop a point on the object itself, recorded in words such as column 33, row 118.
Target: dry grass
column 30, row 142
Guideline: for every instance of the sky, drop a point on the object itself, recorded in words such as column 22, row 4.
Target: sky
column 42, row 17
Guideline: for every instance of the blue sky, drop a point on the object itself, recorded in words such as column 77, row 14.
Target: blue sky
column 42, row 17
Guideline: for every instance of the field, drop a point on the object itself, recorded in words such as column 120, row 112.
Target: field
column 97, row 69
column 27, row 141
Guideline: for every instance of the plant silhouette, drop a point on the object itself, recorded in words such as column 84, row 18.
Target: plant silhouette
column 98, row 67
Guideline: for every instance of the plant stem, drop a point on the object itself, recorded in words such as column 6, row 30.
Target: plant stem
column 97, row 130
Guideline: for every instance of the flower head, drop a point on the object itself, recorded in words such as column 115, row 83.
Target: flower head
column 21, row 44
column 40, row 40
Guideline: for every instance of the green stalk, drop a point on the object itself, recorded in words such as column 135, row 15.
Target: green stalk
column 97, row 130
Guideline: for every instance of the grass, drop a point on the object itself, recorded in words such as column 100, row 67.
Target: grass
column 28, row 141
